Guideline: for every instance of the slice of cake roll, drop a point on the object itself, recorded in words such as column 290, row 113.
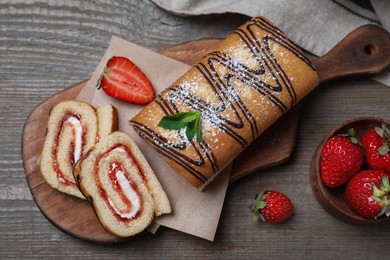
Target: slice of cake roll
column 214, row 111
column 107, row 120
column 120, row 185
column 73, row 127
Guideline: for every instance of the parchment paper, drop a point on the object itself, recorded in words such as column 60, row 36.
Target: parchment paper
column 194, row 212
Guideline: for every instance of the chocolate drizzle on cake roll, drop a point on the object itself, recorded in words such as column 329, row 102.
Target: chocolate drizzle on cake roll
column 255, row 76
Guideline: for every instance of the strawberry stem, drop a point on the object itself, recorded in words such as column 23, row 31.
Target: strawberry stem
column 99, row 82
column 351, row 134
column 258, row 205
column 384, row 132
column 382, row 196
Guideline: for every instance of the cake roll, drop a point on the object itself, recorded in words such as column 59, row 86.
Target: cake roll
column 120, row 185
column 240, row 89
column 73, row 127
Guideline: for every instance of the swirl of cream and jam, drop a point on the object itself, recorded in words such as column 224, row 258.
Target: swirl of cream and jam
column 73, row 125
column 116, row 186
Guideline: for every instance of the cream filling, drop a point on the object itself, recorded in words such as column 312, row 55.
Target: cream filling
column 119, row 149
column 76, row 124
column 130, row 193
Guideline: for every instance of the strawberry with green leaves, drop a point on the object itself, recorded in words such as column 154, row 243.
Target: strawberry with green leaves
column 376, row 143
column 368, row 193
column 272, row 207
column 341, row 158
column 123, row 80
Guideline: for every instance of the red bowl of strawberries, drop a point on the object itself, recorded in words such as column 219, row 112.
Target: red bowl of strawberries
column 350, row 171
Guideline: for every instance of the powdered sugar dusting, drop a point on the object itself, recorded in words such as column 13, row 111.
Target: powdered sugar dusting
column 240, row 89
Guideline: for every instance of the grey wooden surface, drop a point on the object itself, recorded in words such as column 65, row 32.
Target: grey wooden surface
column 46, row 46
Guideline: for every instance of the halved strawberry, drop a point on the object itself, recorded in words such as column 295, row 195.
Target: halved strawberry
column 123, row 80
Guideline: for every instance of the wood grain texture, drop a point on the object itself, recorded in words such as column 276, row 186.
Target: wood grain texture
column 274, row 147
column 46, row 46
column 365, row 50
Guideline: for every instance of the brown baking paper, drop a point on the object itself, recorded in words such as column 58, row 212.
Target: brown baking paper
column 194, row 212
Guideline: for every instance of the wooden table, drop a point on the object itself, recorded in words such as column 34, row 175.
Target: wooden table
column 46, row 47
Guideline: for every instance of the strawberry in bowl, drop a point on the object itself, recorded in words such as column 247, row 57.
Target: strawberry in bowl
column 368, row 194
column 341, row 158
column 376, row 143
column 335, row 172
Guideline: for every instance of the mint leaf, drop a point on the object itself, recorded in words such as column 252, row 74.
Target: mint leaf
column 189, row 120
column 191, row 130
column 198, row 126
column 190, row 116
column 173, row 122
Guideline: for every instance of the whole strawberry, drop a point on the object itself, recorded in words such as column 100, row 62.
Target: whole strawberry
column 376, row 146
column 367, row 193
column 341, row 158
column 272, row 207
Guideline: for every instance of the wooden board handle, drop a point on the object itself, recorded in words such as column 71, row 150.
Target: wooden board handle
column 364, row 51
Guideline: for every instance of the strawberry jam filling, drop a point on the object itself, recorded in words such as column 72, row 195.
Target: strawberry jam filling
column 130, row 205
column 73, row 121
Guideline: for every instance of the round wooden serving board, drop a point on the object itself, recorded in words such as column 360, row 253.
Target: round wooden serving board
column 75, row 216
